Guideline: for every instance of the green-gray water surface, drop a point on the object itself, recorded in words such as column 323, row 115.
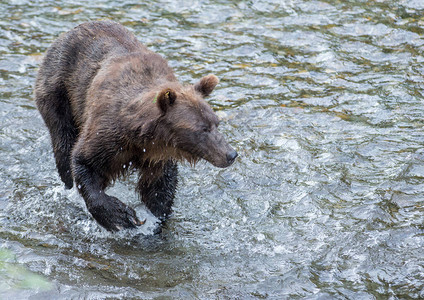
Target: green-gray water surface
column 323, row 100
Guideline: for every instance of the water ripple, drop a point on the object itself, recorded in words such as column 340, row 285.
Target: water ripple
column 323, row 101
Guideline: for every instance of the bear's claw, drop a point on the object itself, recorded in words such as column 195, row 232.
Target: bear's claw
column 114, row 215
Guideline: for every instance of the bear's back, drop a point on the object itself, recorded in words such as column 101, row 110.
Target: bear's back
column 76, row 57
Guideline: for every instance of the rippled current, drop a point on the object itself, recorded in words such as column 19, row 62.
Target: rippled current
column 323, row 100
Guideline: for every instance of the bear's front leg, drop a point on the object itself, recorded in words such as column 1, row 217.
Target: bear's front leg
column 108, row 211
column 157, row 185
column 112, row 214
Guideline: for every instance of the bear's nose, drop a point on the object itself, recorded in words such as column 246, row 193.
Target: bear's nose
column 231, row 156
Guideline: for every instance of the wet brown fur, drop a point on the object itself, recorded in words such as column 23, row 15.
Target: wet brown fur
column 112, row 105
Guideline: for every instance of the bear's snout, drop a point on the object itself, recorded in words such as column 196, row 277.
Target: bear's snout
column 217, row 151
column 231, row 156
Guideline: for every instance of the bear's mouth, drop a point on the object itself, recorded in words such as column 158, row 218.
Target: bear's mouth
column 223, row 161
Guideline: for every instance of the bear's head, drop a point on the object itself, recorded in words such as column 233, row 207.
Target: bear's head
column 188, row 125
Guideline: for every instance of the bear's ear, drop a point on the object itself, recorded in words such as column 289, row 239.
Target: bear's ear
column 206, row 85
column 165, row 99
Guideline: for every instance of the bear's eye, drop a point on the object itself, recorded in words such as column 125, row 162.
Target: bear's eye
column 205, row 129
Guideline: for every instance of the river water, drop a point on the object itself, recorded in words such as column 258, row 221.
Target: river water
column 323, row 100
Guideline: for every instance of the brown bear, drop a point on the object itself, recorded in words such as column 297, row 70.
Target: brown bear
column 111, row 106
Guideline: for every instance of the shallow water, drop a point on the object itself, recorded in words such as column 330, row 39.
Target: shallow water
column 323, row 100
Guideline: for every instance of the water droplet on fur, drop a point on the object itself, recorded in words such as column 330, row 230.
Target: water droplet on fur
column 156, row 194
column 153, row 143
column 79, row 186
column 120, row 148
column 144, row 150
column 130, row 163
column 124, row 166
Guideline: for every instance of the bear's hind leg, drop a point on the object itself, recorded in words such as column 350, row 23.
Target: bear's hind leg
column 157, row 187
column 56, row 112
